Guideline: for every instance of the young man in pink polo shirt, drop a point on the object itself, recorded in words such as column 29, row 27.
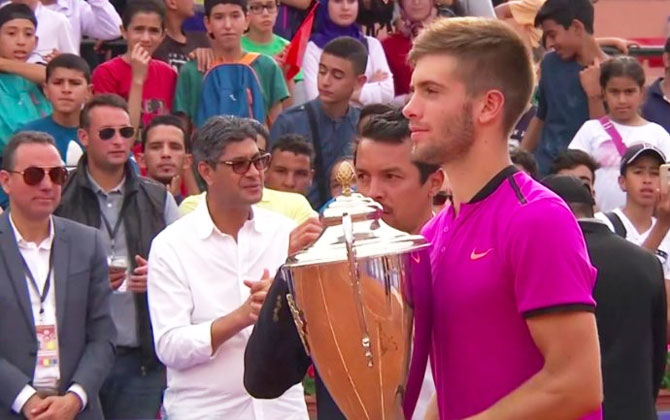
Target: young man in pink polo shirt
column 511, row 309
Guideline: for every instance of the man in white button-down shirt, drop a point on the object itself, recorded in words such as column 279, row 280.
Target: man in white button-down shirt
column 56, row 330
column 208, row 276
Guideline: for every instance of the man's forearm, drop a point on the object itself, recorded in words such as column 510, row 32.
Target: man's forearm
column 656, row 236
column 135, row 105
column 226, row 327
column 36, row 73
column 596, row 107
column 546, row 396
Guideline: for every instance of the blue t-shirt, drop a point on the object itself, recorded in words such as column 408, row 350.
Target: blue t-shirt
column 562, row 105
column 62, row 135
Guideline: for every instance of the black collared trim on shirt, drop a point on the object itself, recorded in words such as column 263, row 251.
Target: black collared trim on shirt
column 494, row 183
column 566, row 307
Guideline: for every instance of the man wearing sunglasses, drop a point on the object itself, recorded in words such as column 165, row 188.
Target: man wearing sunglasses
column 106, row 193
column 56, row 330
column 208, row 276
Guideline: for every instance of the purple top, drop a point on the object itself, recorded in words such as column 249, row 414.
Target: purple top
column 514, row 251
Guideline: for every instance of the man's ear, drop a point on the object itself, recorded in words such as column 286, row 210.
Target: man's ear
column 83, row 137
column 206, row 172
column 140, row 160
column 435, row 181
column 4, row 181
column 361, row 80
column 188, row 161
column 622, row 183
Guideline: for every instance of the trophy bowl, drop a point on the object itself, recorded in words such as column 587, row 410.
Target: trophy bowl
column 350, row 301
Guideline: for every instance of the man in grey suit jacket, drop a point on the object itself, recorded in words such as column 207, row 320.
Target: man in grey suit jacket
column 56, row 331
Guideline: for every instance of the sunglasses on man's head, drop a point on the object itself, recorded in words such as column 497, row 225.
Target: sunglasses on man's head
column 33, row 175
column 108, row 133
column 242, row 166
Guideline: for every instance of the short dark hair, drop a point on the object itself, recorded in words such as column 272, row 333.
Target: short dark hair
column 349, row 49
column 564, row 12
column 171, row 120
column 142, row 6
column 392, row 128
column 373, row 109
column 210, row 4
column 571, row 159
column 211, row 139
column 621, row 66
column 23, row 137
column 71, row 62
column 105, row 99
column 296, row 144
column 526, row 160
column 17, row 11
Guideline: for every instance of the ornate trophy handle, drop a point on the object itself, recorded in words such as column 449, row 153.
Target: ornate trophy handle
column 347, row 225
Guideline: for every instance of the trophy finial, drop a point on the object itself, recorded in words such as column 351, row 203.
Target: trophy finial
column 345, row 177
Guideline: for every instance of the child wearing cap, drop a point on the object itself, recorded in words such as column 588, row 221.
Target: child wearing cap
column 20, row 99
column 640, row 181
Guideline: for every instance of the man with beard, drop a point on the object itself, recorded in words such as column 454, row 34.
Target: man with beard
column 275, row 358
column 505, row 307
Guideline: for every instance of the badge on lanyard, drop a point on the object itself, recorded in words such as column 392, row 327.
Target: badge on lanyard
column 47, row 352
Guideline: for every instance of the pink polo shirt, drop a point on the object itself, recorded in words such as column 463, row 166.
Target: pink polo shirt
column 513, row 252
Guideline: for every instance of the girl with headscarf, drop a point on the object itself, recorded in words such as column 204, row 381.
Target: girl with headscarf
column 335, row 18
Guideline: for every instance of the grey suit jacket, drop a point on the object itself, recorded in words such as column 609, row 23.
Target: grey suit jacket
column 86, row 331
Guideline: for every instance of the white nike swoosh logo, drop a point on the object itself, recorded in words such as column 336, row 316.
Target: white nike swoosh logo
column 479, row 255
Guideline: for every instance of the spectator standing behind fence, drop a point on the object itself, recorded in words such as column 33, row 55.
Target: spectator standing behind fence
column 606, row 138
column 54, row 33
column 56, row 332
column 68, row 87
column 147, row 84
column 335, row 18
column 569, row 89
column 329, row 122
column 104, row 192
column 179, row 44
column 21, row 100
column 96, row 19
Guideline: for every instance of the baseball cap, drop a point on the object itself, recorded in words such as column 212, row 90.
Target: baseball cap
column 637, row 150
column 570, row 188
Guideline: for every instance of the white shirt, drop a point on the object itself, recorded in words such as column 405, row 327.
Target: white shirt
column 196, row 275
column 372, row 93
column 53, row 31
column 638, row 238
column 93, row 18
column 37, row 259
column 594, row 140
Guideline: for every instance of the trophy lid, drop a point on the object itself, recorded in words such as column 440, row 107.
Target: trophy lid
column 371, row 237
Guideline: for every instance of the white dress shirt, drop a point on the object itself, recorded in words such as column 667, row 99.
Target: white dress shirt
column 37, row 259
column 93, row 18
column 53, row 32
column 196, row 275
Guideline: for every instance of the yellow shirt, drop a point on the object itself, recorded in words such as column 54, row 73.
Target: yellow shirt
column 292, row 205
column 523, row 12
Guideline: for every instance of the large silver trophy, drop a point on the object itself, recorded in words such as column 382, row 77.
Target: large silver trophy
column 348, row 297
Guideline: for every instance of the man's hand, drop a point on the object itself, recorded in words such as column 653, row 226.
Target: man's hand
column 60, row 408
column 53, row 54
column 378, row 76
column 175, row 185
column 33, row 407
column 590, row 80
column 258, row 291
column 204, row 58
column 304, row 235
column 138, row 280
column 116, row 277
column 139, row 63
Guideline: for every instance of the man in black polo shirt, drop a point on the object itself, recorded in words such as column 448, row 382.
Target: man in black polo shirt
column 630, row 294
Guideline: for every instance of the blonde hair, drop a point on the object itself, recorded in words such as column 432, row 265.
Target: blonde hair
column 490, row 56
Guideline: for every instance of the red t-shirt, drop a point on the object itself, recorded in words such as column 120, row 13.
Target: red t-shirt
column 115, row 76
column 396, row 47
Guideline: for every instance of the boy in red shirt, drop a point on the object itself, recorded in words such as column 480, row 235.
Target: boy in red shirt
column 147, row 84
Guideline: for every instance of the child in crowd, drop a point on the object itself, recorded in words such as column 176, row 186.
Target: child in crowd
column 569, row 89
column 68, row 87
column 606, row 139
column 178, row 44
column 260, row 38
column 338, row 18
column 20, row 99
column 147, row 84
column 226, row 22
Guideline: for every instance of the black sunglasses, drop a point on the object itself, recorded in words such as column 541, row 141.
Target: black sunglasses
column 34, row 175
column 241, row 167
column 108, row 133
